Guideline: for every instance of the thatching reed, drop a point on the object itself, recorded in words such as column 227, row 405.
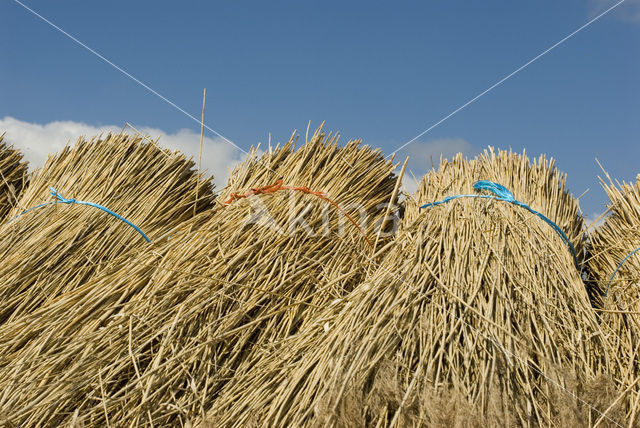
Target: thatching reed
column 53, row 249
column 617, row 299
column 154, row 339
column 477, row 315
column 13, row 173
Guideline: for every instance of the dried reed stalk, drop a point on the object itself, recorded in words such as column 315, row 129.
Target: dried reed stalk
column 477, row 302
column 13, row 173
column 619, row 310
column 153, row 340
column 54, row 249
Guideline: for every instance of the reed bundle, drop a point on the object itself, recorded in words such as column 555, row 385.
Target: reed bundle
column 56, row 248
column 475, row 316
column 12, row 177
column 618, row 300
column 153, row 340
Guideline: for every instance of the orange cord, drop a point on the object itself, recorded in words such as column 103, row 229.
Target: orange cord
column 278, row 186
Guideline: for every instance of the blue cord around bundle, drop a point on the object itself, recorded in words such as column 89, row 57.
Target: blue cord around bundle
column 618, row 268
column 59, row 199
column 501, row 193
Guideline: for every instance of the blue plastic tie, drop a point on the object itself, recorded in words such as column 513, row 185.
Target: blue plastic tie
column 62, row 200
column 503, row 194
column 618, row 268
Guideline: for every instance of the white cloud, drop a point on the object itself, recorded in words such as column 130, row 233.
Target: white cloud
column 593, row 220
column 628, row 11
column 37, row 141
column 425, row 155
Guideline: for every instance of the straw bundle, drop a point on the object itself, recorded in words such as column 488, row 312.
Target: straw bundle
column 619, row 308
column 53, row 249
column 12, row 174
column 153, row 340
column 477, row 315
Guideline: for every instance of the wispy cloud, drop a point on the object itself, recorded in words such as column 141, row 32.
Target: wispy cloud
column 37, row 141
column 425, row 155
column 594, row 220
column 628, row 11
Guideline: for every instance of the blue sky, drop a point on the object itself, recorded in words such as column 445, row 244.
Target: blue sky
column 381, row 71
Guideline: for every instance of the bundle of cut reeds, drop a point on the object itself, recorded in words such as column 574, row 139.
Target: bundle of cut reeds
column 13, row 173
column 617, row 297
column 53, row 249
column 154, row 339
column 477, row 315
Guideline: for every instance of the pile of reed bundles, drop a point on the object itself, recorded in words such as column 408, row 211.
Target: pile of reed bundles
column 13, row 173
column 618, row 300
column 476, row 316
column 154, row 338
column 54, row 249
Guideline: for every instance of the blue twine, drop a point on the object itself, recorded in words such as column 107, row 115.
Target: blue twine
column 618, row 268
column 62, row 200
column 503, row 194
